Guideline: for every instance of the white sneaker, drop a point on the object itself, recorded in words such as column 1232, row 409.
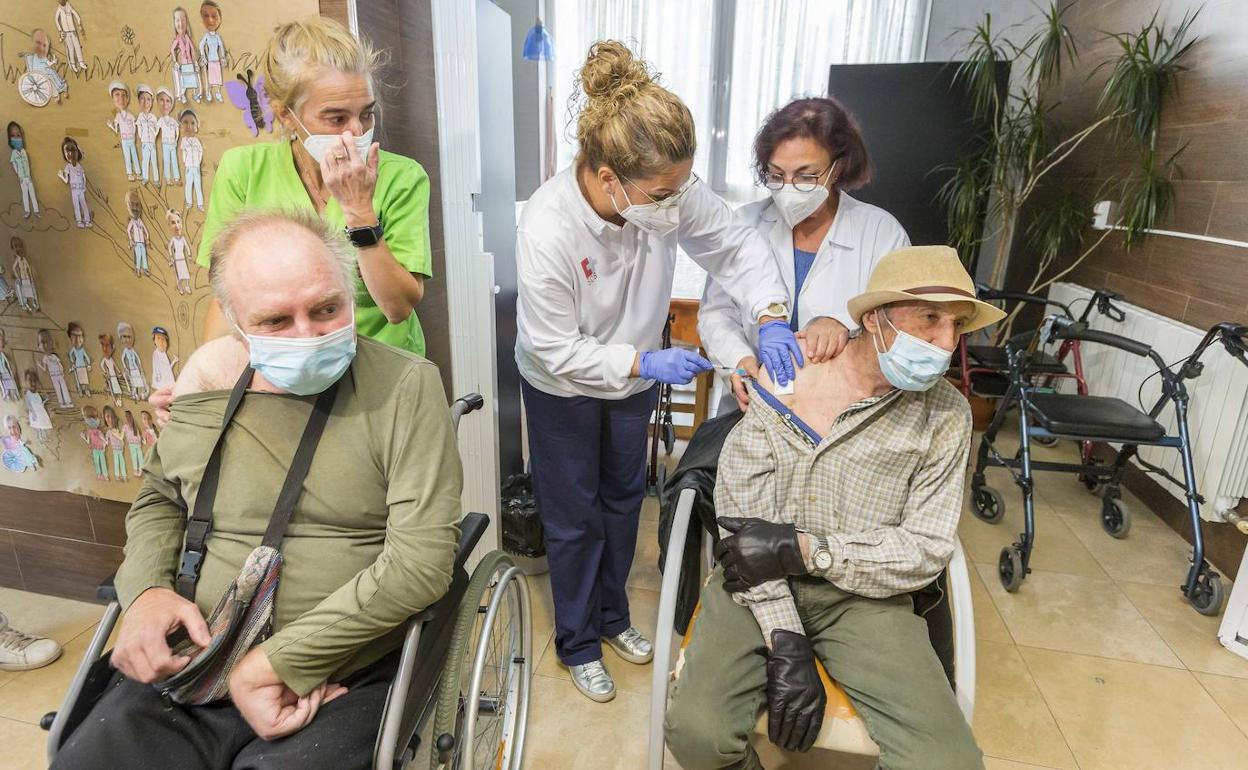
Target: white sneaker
column 22, row 652
column 632, row 646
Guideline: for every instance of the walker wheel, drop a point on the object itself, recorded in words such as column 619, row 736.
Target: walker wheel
column 1115, row 517
column 1010, row 568
column 1206, row 595
column 1045, row 440
column 987, row 504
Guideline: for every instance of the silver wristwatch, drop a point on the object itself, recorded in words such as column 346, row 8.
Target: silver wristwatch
column 822, row 554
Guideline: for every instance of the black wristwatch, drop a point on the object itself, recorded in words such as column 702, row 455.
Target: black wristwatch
column 369, row 235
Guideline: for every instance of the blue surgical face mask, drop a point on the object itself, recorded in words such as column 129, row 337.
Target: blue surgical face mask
column 92, row 422
column 17, row 142
column 303, row 365
column 319, row 145
column 911, row 363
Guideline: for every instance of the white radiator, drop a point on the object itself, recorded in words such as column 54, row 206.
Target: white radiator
column 1218, row 408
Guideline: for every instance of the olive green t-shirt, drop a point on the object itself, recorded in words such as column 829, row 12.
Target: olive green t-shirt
column 373, row 535
column 263, row 176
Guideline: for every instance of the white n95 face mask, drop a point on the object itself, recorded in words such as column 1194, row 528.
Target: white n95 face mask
column 656, row 218
column 319, row 145
column 911, row 363
column 796, row 205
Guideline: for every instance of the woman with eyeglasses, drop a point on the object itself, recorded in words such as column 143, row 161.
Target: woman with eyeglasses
column 596, row 254
column 824, row 242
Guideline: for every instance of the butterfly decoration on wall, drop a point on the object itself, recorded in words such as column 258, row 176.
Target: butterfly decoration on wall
column 252, row 100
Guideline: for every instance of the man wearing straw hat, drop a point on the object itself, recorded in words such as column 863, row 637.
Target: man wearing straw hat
column 836, row 502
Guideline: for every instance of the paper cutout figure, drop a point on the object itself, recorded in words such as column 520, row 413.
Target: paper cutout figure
column 75, row 176
column 168, row 126
column 108, row 367
column 69, row 25
column 19, row 159
column 96, row 441
column 37, row 416
column 79, row 359
column 131, row 364
column 179, row 251
column 182, row 52
column 8, row 372
column 116, row 442
column 124, row 125
column 23, row 276
column 149, row 430
column 41, row 81
column 192, row 157
column 162, row 362
column 17, row 456
column 6, row 288
column 136, row 233
column 134, row 442
column 253, row 101
column 212, row 49
column 147, row 127
column 51, row 364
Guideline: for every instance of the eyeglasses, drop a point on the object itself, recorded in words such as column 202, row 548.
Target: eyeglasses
column 801, row 182
column 672, row 198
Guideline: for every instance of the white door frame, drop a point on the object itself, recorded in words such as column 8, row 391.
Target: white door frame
column 468, row 270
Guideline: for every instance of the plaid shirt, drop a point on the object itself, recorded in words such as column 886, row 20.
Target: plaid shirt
column 884, row 487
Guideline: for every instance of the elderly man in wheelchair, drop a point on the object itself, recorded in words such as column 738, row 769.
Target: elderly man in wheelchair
column 354, row 442
column 835, row 502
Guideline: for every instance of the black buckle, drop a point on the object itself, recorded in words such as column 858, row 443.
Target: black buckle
column 191, row 561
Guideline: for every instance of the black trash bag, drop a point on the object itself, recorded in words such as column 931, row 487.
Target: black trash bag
column 522, row 527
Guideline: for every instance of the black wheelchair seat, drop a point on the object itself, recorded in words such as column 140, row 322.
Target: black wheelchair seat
column 994, row 357
column 1093, row 416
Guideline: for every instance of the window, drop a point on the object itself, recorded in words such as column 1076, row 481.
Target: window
column 770, row 51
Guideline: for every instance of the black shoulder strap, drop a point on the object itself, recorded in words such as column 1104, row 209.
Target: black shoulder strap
column 199, row 525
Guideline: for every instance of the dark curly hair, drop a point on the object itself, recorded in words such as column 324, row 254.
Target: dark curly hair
column 828, row 123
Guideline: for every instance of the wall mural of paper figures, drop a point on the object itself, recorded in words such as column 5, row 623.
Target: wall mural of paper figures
column 121, row 110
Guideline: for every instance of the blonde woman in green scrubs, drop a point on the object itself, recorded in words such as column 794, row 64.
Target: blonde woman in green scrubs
column 320, row 86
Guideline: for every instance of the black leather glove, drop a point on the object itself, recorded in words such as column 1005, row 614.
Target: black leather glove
column 758, row 551
column 795, row 696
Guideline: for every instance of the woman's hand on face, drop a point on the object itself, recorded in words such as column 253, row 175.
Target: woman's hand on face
column 749, row 365
column 823, row 339
column 351, row 180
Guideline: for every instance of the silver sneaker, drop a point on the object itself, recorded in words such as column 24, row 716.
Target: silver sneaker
column 21, row 651
column 593, row 681
column 632, row 646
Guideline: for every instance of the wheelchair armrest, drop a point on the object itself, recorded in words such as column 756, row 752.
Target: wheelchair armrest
column 106, row 591
column 471, row 528
column 1077, row 331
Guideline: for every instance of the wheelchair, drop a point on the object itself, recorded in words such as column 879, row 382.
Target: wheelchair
column 1045, row 414
column 465, row 664
column 663, row 428
column 844, row 730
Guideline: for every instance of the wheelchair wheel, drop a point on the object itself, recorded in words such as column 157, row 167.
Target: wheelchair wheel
column 669, row 435
column 483, row 697
column 1093, row 484
column 660, row 482
column 1115, row 517
column 1206, row 595
column 987, row 504
column 1010, row 568
column 1045, row 440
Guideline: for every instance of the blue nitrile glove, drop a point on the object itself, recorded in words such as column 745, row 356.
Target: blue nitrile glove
column 674, row 366
column 778, row 348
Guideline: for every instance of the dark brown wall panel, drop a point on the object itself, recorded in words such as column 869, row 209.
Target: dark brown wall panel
column 53, row 565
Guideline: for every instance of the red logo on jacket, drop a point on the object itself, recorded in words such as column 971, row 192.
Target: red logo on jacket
column 587, row 267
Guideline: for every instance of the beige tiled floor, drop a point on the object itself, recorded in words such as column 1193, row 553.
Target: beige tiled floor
column 1096, row 663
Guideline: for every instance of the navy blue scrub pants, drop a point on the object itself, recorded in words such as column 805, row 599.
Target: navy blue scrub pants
column 588, row 459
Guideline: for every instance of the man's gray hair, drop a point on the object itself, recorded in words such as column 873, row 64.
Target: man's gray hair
column 338, row 249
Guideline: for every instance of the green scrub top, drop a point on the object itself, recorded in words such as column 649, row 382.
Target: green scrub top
column 258, row 176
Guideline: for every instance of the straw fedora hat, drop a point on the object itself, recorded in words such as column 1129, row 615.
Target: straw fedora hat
column 925, row 273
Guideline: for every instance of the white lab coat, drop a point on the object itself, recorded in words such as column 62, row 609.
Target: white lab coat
column 592, row 294
column 860, row 234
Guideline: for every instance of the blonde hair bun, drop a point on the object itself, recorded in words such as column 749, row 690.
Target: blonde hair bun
column 300, row 50
column 626, row 120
